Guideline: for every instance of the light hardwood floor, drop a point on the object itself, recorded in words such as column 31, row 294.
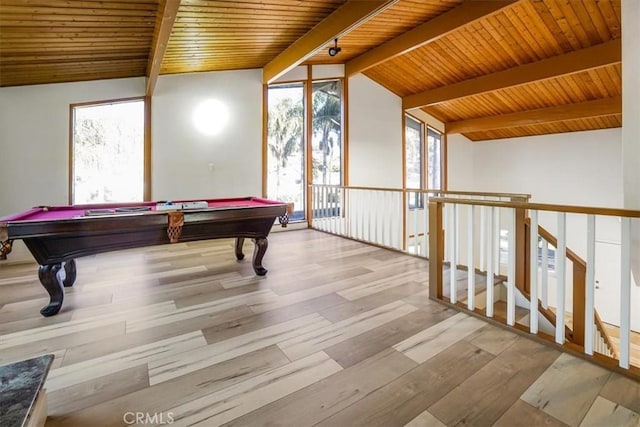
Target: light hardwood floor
column 338, row 333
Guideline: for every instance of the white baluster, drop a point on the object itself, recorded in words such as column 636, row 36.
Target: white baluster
column 425, row 235
column 333, row 210
column 369, row 210
column 446, row 208
column 416, row 229
column 314, row 204
column 357, row 197
column 393, row 219
column 320, row 190
column 362, row 206
column 376, row 208
column 348, row 214
column 483, row 225
column 382, row 217
column 590, row 285
column 496, row 245
column 325, row 211
column 561, row 264
column 471, row 273
column 533, row 275
column 456, row 220
column 625, row 291
column 397, row 206
column 544, row 285
column 511, row 269
column 454, row 258
column 490, row 264
column 343, row 211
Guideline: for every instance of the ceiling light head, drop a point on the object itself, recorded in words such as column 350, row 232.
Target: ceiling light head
column 334, row 50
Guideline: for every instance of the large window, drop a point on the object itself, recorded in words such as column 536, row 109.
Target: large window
column 434, row 161
column 108, row 152
column 287, row 148
column 326, row 143
column 285, row 141
column 417, row 166
column 413, row 151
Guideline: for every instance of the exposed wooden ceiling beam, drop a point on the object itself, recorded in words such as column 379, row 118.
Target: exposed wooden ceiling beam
column 347, row 17
column 168, row 9
column 428, row 32
column 582, row 110
column 581, row 60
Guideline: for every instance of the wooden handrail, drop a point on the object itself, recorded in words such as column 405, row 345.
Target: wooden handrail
column 575, row 259
column 542, row 207
column 519, row 196
column 575, row 338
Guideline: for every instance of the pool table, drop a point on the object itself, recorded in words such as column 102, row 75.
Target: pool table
column 57, row 235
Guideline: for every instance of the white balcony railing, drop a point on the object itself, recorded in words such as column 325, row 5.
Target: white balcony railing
column 574, row 281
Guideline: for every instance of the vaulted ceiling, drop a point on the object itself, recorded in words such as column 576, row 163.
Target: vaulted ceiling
column 488, row 69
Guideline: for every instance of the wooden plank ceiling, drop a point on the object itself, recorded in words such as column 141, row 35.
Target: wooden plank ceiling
column 64, row 41
column 488, row 69
column 226, row 35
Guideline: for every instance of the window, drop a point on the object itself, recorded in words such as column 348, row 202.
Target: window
column 108, row 152
column 413, row 152
column 551, row 254
column 326, row 144
column 285, row 142
column 287, row 108
column 434, row 160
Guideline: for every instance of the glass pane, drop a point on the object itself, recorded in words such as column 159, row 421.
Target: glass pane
column 108, row 153
column 434, row 170
column 285, row 140
column 413, row 153
column 326, row 143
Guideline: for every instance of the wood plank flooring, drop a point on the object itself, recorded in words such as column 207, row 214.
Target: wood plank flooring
column 338, row 333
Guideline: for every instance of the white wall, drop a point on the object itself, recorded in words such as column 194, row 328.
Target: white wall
column 189, row 164
column 460, row 163
column 375, row 135
column 34, row 138
column 630, row 102
column 577, row 168
column 34, row 123
column 631, row 124
column 34, row 141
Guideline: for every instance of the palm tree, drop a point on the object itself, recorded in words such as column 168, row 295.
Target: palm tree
column 327, row 112
column 285, row 127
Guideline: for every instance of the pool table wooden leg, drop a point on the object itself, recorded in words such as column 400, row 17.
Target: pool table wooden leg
column 258, row 253
column 48, row 275
column 70, row 273
column 239, row 243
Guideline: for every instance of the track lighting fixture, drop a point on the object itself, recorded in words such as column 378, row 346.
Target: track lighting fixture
column 334, row 50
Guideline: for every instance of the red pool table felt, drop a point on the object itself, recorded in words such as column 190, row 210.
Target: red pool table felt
column 48, row 213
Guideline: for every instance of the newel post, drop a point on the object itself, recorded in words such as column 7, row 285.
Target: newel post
column 436, row 249
column 579, row 297
column 522, row 251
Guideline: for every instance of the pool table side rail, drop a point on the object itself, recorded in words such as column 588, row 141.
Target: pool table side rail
column 52, row 241
column 23, row 228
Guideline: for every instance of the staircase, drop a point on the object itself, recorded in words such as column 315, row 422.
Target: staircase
column 582, row 329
